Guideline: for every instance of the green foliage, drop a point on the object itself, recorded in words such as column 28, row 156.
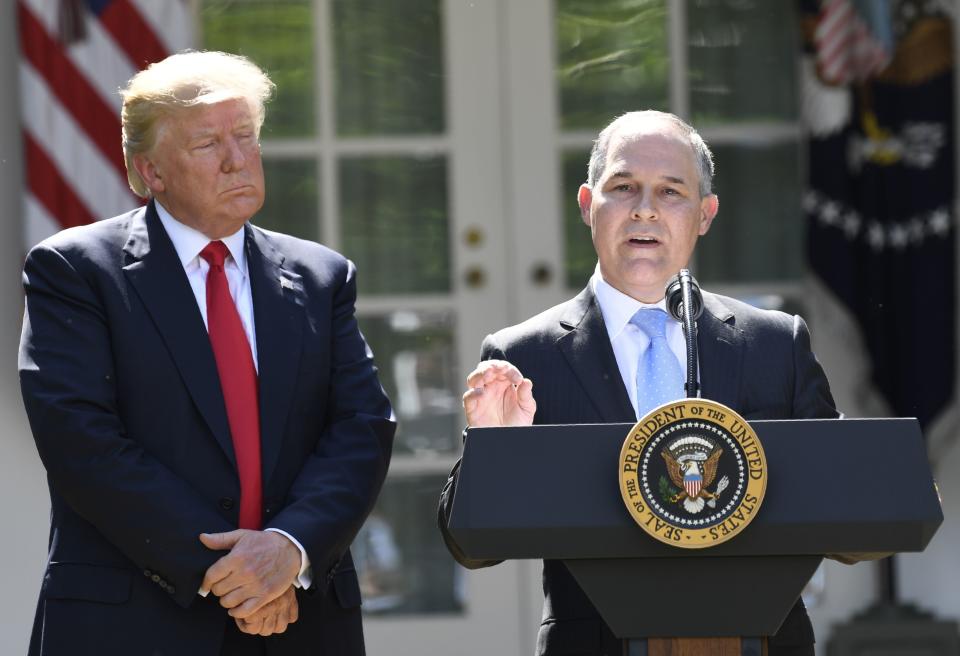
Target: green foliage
column 667, row 491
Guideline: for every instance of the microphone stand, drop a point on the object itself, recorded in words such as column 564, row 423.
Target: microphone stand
column 692, row 386
column 685, row 304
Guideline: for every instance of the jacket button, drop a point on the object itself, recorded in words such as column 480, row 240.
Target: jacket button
column 147, row 573
column 226, row 503
column 155, row 578
column 171, row 589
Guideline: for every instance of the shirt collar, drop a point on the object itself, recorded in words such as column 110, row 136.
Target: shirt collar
column 617, row 308
column 188, row 242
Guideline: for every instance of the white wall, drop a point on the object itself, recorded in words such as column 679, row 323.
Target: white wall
column 23, row 494
column 931, row 580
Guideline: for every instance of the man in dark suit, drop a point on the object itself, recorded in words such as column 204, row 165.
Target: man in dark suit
column 647, row 200
column 206, row 408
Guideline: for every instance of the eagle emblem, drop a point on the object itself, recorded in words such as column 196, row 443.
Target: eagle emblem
column 692, row 473
column 692, row 466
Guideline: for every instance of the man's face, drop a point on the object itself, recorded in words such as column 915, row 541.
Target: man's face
column 645, row 212
column 205, row 167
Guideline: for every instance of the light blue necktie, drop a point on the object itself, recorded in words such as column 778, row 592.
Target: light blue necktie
column 659, row 377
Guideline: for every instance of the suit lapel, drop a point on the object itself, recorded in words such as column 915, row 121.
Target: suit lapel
column 155, row 271
column 278, row 302
column 720, row 345
column 587, row 349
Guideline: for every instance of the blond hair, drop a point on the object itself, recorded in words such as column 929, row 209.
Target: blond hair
column 180, row 81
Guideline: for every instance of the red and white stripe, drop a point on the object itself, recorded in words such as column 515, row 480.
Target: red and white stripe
column 70, row 105
column 846, row 50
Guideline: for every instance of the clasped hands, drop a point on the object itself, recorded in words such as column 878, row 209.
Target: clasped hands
column 254, row 581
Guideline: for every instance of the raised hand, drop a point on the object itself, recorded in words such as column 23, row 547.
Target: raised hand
column 498, row 395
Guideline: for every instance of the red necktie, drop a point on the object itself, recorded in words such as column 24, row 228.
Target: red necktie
column 238, row 380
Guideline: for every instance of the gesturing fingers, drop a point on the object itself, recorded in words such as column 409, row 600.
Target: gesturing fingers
column 525, row 400
column 490, row 371
column 498, row 395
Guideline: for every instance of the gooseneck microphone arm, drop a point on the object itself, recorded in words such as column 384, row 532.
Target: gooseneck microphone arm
column 683, row 292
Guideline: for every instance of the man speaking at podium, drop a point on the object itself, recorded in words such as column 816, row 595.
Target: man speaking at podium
column 613, row 353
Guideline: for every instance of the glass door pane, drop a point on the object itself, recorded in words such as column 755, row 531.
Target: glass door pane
column 579, row 257
column 416, row 355
column 735, row 50
column 278, row 36
column 389, row 72
column 292, row 202
column 611, row 58
column 394, row 222
column 759, row 190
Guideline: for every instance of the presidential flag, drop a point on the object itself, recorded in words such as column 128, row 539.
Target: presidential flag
column 879, row 111
column 75, row 55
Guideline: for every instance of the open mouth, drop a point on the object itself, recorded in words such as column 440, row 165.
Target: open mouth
column 644, row 241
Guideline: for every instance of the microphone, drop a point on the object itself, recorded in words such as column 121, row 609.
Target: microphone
column 683, row 292
column 675, row 295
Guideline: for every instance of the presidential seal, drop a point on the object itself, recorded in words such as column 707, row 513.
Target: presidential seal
column 692, row 473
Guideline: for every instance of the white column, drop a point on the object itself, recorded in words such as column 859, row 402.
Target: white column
column 932, row 579
column 24, row 504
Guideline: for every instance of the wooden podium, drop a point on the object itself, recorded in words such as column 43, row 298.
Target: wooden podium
column 834, row 486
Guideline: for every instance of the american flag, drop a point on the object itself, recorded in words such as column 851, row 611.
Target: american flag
column 75, row 55
column 846, row 49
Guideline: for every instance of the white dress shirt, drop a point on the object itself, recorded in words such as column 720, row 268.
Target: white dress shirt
column 628, row 341
column 188, row 243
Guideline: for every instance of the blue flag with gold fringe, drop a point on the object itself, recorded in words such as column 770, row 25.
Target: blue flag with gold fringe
column 879, row 108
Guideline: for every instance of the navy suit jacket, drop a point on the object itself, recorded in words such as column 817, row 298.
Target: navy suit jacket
column 123, row 397
column 757, row 362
